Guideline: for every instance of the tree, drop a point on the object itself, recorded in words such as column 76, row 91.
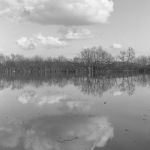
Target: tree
column 62, row 59
column 142, row 60
column 130, row 55
column 96, row 55
column 86, row 56
column 122, row 56
column 2, row 58
column 77, row 59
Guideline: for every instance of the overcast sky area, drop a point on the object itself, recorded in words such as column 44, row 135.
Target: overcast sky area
column 65, row 27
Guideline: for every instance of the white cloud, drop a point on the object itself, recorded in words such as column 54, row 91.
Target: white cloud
column 5, row 11
column 75, row 33
column 50, row 41
column 27, row 43
column 47, row 41
column 64, row 12
column 116, row 46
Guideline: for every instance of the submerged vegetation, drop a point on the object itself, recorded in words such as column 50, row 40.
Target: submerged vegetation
column 90, row 61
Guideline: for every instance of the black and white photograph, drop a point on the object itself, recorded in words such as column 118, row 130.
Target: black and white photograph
column 74, row 74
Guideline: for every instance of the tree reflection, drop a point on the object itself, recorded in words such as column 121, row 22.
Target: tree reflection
column 94, row 85
column 127, row 84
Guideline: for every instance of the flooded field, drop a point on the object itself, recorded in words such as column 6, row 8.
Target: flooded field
column 75, row 113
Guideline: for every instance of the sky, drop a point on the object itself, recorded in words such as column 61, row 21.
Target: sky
column 50, row 28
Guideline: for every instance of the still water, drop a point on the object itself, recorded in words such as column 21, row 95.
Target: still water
column 75, row 113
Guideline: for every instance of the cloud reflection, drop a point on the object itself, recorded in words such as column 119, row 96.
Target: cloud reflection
column 75, row 106
column 117, row 93
column 64, row 103
column 27, row 96
column 10, row 135
column 53, row 99
column 59, row 133
column 30, row 97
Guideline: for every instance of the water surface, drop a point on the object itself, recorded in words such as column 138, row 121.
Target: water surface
column 75, row 113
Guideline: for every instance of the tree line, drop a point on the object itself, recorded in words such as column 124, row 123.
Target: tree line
column 93, row 61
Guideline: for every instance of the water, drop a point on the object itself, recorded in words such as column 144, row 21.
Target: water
column 75, row 113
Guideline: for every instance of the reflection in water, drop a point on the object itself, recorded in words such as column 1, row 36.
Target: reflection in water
column 128, row 84
column 31, row 97
column 59, row 133
column 53, row 99
column 94, row 86
column 117, row 93
column 9, row 135
column 75, row 106
column 65, row 103
column 50, row 117
column 27, row 96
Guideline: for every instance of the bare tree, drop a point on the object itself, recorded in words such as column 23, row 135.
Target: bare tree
column 130, row 55
column 122, row 56
column 142, row 60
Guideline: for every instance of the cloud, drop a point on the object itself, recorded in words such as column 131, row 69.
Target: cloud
column 5, row 11
column 40, row 40
column 64, row 12
column 75, row 33
column 50, row 41
column 27, row 43
column 116, row 46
